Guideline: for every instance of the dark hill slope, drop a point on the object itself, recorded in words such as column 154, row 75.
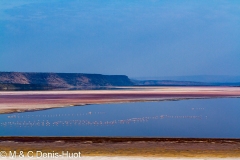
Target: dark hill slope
column 60, row 80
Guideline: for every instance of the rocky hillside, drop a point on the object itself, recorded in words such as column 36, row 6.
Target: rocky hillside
column 18, row 80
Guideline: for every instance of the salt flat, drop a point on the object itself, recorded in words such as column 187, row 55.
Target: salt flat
column 19, row 101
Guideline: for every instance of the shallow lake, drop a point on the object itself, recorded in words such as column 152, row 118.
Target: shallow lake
column 207, row 118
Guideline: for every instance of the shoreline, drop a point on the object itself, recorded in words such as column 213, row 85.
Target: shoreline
column 21, row 101
column 127, row 146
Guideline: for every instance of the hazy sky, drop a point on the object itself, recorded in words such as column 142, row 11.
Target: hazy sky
column 133, row 37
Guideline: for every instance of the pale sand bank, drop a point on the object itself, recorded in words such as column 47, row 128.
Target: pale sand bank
column 153, row 148
column 127, row 158
column 19, row 101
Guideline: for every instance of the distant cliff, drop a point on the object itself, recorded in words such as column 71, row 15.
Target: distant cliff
column 31, row 81
column 180, row 83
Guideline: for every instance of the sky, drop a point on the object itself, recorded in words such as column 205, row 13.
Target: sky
column 138, row 38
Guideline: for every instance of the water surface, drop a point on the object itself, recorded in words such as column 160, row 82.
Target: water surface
column 199, row 118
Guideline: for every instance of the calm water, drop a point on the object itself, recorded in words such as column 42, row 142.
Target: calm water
column 186, row 118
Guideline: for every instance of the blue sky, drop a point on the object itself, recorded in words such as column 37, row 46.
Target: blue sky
column 138, row 38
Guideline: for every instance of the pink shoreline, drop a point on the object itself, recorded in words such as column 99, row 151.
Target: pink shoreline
column 18, row 101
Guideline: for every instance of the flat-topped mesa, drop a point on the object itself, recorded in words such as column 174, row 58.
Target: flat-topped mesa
column 25, row 80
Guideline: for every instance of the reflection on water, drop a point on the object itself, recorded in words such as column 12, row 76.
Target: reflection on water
column 185, row 118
